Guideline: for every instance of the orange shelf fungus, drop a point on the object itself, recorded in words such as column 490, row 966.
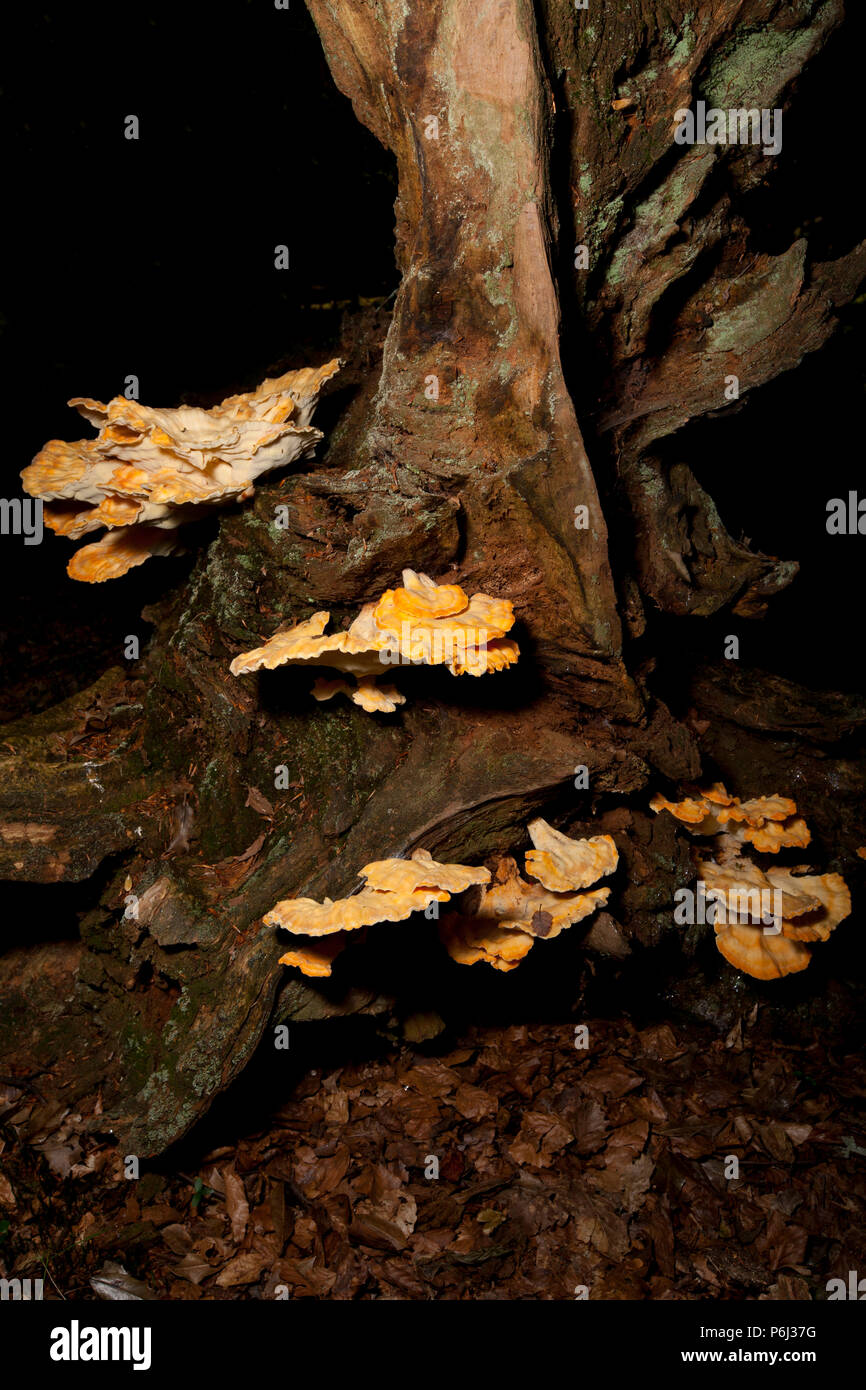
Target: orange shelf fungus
column 120, row 551
column 770, row 823
column 691, row 811
column 307, row 644
column 394, row 889
column 758, row 810
column 151, row 470
column 520, row 906
column 766, row 942
column 421, row 871
column 738, row 884
column 315, row 958
column 374, row 698
column 437, row 624
column 468, row 941
column 420, row 623
column 563, row 864
column 759, row 954
column 306, row 917
column 511, row 914
column 791, row 833
column 829, row 892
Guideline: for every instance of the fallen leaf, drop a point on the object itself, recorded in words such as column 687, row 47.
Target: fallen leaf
column 420, row 1027
column 236, row 1204
column 117, row 1285
column 192, row 1268
column 374, row 1230
column 245, row 1268
column 317, row 1175
column 259, row 803
column 473, row 1102
column 177, row 1238
column 489, row 1219
column 540, row 1137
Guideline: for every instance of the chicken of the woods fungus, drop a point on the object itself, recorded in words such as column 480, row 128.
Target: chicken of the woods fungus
column 509, row 916
column 150, row 470
column 419, row 622
column 512, row 914
column 764, row 919
column 393, row 890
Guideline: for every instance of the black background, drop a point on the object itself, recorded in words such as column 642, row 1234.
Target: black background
column 156, row 257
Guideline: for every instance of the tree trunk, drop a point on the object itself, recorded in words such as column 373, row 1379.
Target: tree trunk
column 522, row 133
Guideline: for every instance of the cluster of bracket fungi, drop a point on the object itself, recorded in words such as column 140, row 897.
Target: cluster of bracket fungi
column 812, row 905
column 150, row 471
column 420, row 622
column 497, row 918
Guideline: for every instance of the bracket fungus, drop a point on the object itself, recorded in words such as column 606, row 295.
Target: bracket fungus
column 750, row 948
column 315, row 958
column 520, row 906
column 149, row 471
column 513, row 914
column 394, row 889
column 806, row 907
column 832, row 907
column 419, row 623
column 736, row 881
column 469, row 940
column 563, row 864
column 421, row 871
column 770, row 823
column 510, row 916
column 375, row 699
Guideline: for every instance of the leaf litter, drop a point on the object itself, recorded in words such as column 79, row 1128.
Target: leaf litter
column 667, row 1162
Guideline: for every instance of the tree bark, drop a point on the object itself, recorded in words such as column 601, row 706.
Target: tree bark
column 520, row 132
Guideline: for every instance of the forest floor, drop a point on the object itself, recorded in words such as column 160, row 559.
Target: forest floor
column 666, row 1163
